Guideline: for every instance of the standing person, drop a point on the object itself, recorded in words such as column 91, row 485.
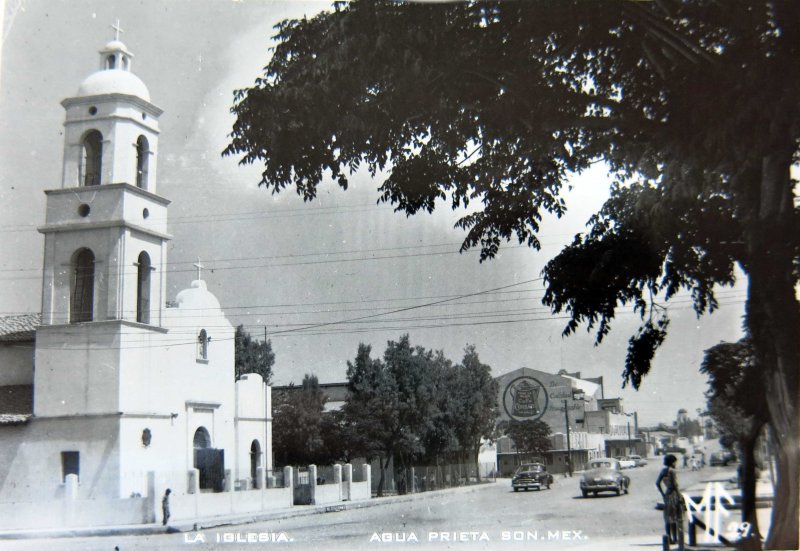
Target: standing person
column 673, row 500
column 165, row 506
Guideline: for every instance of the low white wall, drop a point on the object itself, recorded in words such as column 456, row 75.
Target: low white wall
column 191, row 506
column 73, row 513
column 360, row 490
column 327, row 493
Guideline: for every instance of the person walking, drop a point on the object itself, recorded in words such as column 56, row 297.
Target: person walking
column 673, row 500
column 165, row 506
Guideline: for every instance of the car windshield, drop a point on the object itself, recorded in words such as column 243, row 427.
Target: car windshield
column 531, row 468
column 601, row 465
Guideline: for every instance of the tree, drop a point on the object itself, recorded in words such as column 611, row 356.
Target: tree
column 252, row 356
column 530, row 437
column 475, row 404
column 372, row 408
column 297, row 425
column 493, row 105
column 734, row 401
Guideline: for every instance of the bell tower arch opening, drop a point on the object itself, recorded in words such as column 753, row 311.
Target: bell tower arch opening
column 92, row 158
column 81, row 307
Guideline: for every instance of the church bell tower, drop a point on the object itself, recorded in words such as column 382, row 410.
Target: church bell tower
column 105, row 234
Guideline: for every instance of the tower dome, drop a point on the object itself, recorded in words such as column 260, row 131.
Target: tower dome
column 114, row 75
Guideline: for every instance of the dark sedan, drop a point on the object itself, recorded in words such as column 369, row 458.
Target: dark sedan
column 531, row 476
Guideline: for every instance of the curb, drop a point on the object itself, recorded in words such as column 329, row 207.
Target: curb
column 214, row 522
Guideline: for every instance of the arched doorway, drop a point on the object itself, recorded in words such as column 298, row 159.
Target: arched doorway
column 255, row 462
column 210, row 462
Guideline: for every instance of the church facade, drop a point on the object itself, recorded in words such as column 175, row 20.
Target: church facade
column 127, row 397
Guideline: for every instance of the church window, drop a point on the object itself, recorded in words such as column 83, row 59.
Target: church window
column 93, row 110
column 82, row 295
column 111, row 62
column 142, row 161
column 92, row 161
column 84, row 210
column 202, row 345
column 147, row 437
column 70, row 464
column 144, row 268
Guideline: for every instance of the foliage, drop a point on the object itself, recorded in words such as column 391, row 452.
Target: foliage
column 415, row 406
column 252, row 356
column 530, row 437
column 298, row 424
column 734, row 392
column 493, row 105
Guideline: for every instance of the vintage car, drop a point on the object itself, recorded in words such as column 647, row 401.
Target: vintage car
column 722, row 457
column 638, row 459
column 604, row 475
column 531, row 475
column 626, row 462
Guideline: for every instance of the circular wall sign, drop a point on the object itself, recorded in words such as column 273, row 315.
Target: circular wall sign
column 525, row 399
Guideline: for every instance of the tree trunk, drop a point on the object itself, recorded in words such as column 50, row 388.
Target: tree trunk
column 477, row 453
column 748, row 479
column 383, row 474
column 773, row 320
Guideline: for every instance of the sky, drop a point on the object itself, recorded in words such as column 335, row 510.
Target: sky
column 345, row 268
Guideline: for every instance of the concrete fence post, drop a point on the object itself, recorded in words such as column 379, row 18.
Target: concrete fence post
column 71, row 487
column 366, row 475
column 347, row 473
column 150, row 501
column 258, row 483
column 312, row 483
column 337, row 479
column 193, row 481
column 288, row 482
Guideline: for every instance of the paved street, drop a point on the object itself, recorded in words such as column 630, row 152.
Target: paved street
column 487, row 517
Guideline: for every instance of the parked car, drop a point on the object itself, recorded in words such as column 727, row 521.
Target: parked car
column 722, row 457
column 626, row 462
column 638, row 460
column 604, row 475
column 531, row 476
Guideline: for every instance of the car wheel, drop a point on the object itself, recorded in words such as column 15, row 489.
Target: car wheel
column 548, row 486
column 585, row 493
column 618, row 490
column 626, row 488
column 516, row 489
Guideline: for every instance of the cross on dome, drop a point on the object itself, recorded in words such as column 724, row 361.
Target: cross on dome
column 199, row 267
column 117, row 29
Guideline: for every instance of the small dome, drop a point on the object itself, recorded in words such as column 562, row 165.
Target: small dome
column 114, row 45
column 113, row 81
column 197, row 297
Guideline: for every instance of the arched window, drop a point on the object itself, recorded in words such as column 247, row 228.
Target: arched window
column 255, row 462
column 143, row 288
column 202, row 345
column 142, row 160
column 81, row 307
column 202, row 439
column 92, row 162
column 111, row 62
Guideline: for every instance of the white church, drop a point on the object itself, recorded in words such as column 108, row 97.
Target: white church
column 116, row 397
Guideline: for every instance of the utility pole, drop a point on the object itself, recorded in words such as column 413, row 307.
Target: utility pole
column 569, row 447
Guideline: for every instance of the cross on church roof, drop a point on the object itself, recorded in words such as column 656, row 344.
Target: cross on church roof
column 117, row 29
column 199, row 267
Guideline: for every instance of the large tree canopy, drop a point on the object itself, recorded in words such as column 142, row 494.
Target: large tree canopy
column 493, row 105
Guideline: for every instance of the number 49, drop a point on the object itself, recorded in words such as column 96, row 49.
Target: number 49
column 741, row 528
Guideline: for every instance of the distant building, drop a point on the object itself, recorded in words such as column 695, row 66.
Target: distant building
column 598, row 426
